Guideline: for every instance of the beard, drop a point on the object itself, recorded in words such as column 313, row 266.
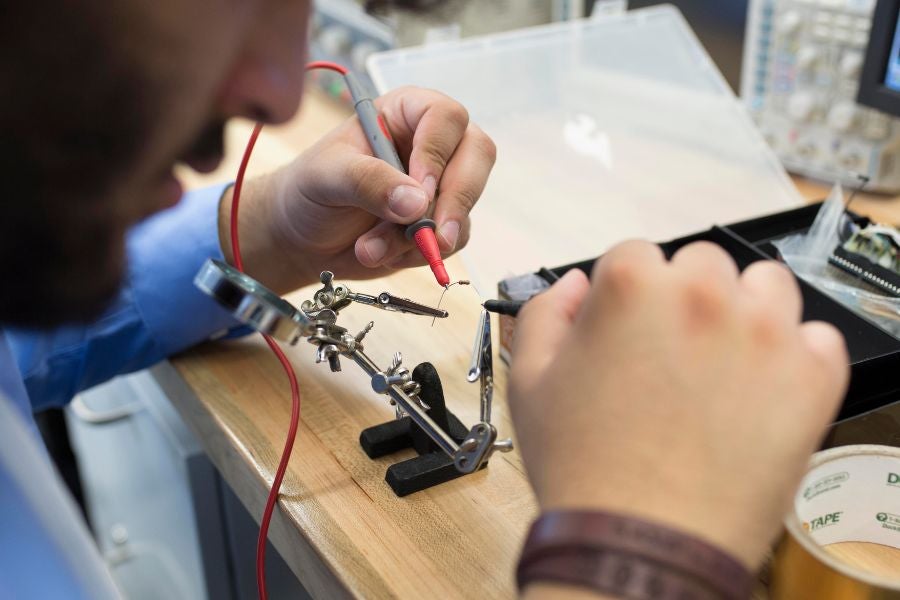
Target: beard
column 69, row 128
column 57, row 266
column 74, row 133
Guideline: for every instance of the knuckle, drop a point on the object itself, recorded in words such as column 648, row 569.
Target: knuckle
column 467, row 198
column 432, row 151
column 831, row 342
column 705, row 298
column 765, row 327
column 362, row 173
column 457, row 114
column 619, row 274
column 713, row 252
column 484, row 143
column 776, row 275
column 705, row 258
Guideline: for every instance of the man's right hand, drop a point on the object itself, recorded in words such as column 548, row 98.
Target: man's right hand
column 681, row 392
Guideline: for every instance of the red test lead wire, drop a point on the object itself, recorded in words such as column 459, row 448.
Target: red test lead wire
column 294, row 423
column 379, row 138
column 325, row 64
column 288, row 369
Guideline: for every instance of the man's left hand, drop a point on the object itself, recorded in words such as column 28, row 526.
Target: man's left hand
column 337, row 207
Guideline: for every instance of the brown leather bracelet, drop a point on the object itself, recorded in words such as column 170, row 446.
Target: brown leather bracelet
column 629, row 558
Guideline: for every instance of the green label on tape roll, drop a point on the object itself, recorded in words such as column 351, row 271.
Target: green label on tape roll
column 825, row 484
column 889, row 521
column 825, row 520
column 894, row 479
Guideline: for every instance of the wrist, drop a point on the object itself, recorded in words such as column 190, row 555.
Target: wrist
column 622, row 556
column 261, row 249
column 689, row 505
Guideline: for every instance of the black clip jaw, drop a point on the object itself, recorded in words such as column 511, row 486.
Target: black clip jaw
column 432, row 466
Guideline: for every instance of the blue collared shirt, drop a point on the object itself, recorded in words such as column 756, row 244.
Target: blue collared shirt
column 45, row 550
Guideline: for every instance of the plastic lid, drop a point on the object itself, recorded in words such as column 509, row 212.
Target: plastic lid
column 606, row 129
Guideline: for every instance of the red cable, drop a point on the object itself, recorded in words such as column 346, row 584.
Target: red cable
column 288, row 369
column 325, row 64
column 236, row 198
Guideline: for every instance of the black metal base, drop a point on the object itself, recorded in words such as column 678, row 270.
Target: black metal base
column 432, row 466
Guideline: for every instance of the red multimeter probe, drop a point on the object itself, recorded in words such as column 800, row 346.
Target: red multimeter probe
column 422, row 231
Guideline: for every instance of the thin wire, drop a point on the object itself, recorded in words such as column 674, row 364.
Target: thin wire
column 444, row 291
column 863, row 181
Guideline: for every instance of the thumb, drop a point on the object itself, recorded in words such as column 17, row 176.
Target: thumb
column 544, row 322
column 344, row 177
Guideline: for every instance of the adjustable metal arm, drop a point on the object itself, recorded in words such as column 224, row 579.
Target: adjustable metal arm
column 255, row 305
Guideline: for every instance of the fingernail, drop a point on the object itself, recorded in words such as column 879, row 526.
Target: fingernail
column 407, row 201
column 450, row 232
column 430, row 185
column 376, row 248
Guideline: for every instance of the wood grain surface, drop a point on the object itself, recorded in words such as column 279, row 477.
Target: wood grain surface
column 339, row 526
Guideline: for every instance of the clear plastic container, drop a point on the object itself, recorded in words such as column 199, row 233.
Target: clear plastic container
column 606, row 129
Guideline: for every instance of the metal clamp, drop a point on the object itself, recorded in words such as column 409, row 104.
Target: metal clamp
column 338, row 296
column 482, row 365
column 257, row 306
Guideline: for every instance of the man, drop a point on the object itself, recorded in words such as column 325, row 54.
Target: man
column 102, row 99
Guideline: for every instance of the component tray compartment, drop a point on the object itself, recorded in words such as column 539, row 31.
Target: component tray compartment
column 874, row 353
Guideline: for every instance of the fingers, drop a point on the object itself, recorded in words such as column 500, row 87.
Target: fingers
column 623, row 272
column 544, row 322
column 828, row 350
column 778, row 309
column 707, row 260
column 773, row 285
column 708, row 284
column 444, row 150
column 346, row 177
column 382, row 245
column 461, row 185
column 428, row 127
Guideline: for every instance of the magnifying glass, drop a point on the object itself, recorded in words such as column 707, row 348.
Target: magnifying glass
column 252, row 303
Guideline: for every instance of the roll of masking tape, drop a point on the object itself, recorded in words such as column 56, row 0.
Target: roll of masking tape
column 850, row 494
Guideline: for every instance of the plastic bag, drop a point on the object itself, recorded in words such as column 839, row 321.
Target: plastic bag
column 807, row 255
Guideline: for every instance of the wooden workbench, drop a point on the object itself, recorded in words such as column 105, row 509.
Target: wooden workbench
column 339, row 526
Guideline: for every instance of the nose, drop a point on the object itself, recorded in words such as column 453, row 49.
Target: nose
column 263, row 89
column 266, row 80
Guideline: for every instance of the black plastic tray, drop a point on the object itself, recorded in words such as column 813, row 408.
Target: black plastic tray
column 874, row 353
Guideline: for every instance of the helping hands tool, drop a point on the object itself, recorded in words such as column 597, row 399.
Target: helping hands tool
column 482, row 366
column 336, row 297
column 316, row 320
column 422, row 231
